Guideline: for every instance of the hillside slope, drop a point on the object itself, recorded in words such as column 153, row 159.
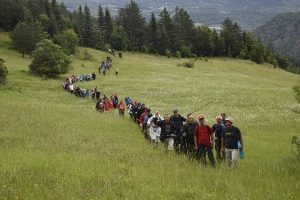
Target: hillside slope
column 55, row 146
column 282, row 33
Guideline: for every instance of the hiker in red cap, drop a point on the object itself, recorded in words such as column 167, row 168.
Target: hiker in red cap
column 204, row 141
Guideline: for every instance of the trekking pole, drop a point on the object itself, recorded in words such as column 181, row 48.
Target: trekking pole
column 201, row 107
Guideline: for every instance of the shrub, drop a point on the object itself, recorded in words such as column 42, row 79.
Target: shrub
column 168, row 53
column 68, row 40
column 296, row 143
column 3, row 72
column 107, row 47
column 186, row 52
column 297, row 92
column 25, row 36
column 189, row 64
column 87, row 55
column 49, row 60
column 145, row 49
column 177, row 54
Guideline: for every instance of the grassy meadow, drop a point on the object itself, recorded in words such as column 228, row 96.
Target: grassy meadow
column 56, row 146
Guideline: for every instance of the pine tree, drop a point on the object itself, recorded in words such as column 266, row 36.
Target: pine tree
column 11, row 12
column 134, row 24
column 184, row 28
column 203, row 44
column 152, row 36
column 88, row 28
column 166, row 30
column 101, row 18
column 108, row 26
column 232, row 35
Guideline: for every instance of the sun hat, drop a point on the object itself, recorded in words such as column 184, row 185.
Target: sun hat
column 229, row 119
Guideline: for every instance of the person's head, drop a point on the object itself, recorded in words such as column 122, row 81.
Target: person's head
column 190, row 119
column 201, row 119
column 143, row 106
column 223, row 115
column 228, row 122
column 148, row 111
column 156, row 114
column 219, row 119
column 175, row 112
column 166, row 118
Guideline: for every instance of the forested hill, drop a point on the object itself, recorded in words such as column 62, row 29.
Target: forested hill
column 282, row 33
column 248, row 13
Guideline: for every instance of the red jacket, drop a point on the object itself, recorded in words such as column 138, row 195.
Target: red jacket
column 121, row 106
column 142, row 117
column 203, row 132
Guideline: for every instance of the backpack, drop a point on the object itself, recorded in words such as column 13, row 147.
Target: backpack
column 204, row 138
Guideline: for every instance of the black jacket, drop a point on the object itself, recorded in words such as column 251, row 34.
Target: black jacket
column 178, row 122
column 167, row 129
column 189, row 129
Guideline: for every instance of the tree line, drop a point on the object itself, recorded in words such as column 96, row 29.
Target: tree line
column 168, row 34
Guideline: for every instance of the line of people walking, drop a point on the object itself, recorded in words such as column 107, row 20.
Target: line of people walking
column 189, row 136
column 184, row 135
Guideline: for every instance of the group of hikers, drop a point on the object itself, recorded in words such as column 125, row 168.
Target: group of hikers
column 185, row 135
column 68, row 85
column 189, row 136
column 109, row 103
column 107, row 65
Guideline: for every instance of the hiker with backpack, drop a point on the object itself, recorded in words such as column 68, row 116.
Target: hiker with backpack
column 218, row 129
column 231, row 138
column 167, row 132
column 141, row 109
column 188, row 135
column 204, row 141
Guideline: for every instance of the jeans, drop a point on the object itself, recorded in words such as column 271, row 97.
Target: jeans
column 231, row 156
column 203, row 149
column 218, row 150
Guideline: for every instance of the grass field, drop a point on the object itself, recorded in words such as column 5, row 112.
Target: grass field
column 55, row 146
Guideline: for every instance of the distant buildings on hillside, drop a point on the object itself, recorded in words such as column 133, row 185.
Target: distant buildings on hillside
column 218, row 28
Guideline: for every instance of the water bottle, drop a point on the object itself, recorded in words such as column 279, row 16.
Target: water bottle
column 241, row 152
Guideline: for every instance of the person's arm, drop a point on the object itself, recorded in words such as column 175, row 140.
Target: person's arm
column 195, row 138
column 184, row 130
column 222, row 141
column 211, row 135
column 213, row 128
column 182, row 118
column 149, row 122
column 157, row 123
column 172, row 128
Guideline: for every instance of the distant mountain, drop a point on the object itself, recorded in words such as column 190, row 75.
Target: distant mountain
column 282, row 33
column 248, row 13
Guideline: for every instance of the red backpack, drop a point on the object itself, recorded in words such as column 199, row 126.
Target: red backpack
column 203, row 135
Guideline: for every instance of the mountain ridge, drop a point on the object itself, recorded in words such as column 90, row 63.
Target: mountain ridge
column 282, row 34
column 250, row 14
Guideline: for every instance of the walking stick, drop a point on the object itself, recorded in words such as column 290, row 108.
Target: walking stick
column 201, row 107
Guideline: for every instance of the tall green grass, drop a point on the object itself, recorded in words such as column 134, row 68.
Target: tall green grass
column 55, row 146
